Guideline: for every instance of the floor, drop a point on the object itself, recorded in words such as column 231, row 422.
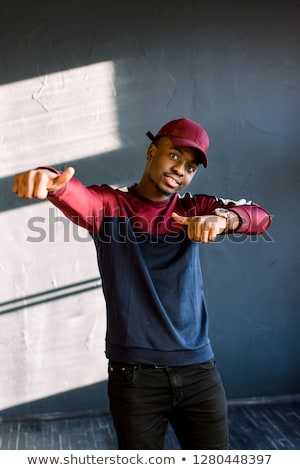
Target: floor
column 251, row 426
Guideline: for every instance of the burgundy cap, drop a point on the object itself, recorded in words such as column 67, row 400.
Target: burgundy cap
column 186, row 133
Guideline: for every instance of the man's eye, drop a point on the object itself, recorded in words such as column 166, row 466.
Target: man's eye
column 174, row 156
column 191, row 169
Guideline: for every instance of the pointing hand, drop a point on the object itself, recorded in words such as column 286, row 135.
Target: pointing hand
column 35, row 184
column 202, row 228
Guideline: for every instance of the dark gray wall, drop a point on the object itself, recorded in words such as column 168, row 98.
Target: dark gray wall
column 234, row 66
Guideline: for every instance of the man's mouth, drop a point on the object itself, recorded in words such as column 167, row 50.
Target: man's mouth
column 172, row 180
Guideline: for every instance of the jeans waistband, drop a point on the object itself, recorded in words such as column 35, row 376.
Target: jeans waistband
column 136, row 365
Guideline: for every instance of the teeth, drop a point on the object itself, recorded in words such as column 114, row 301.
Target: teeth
column 171, row 177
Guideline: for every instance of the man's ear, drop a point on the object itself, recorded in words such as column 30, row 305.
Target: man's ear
column 152, row 149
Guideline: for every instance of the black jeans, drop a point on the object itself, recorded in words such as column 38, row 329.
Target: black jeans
column 143, row 400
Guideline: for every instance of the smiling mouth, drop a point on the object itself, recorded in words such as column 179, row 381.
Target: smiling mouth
column 172, row 180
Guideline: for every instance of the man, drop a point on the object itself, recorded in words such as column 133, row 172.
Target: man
column 161, row 364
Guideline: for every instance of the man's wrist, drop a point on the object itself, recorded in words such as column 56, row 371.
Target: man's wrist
column 232, row 219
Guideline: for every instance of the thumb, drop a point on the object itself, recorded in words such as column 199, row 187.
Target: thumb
column 63, row 178
column 180, row 219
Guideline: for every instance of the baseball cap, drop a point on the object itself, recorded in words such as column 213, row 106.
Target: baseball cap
column 187, row 133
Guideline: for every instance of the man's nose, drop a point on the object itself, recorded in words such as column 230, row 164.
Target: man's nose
column 179, row 168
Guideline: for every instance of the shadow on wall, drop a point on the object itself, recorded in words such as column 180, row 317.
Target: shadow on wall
column 72, row 402
column 49, row 295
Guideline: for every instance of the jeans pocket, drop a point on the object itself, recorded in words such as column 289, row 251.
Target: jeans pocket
column 211, row 364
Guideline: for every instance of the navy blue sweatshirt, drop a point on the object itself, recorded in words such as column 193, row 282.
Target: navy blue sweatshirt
column 151, row 274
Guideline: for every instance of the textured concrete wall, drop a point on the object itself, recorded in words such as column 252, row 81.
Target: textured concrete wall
column 81, row 83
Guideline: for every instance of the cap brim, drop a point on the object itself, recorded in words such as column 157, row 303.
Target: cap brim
column 182, row 142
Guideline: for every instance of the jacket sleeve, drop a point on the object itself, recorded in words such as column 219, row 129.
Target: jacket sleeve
column 254, row 219
column 82, row 205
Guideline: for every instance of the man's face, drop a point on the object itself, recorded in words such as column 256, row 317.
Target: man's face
column 170, row 168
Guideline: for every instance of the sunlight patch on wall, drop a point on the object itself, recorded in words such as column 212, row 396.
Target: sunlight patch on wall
column 58, row 117
column 52, row 348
